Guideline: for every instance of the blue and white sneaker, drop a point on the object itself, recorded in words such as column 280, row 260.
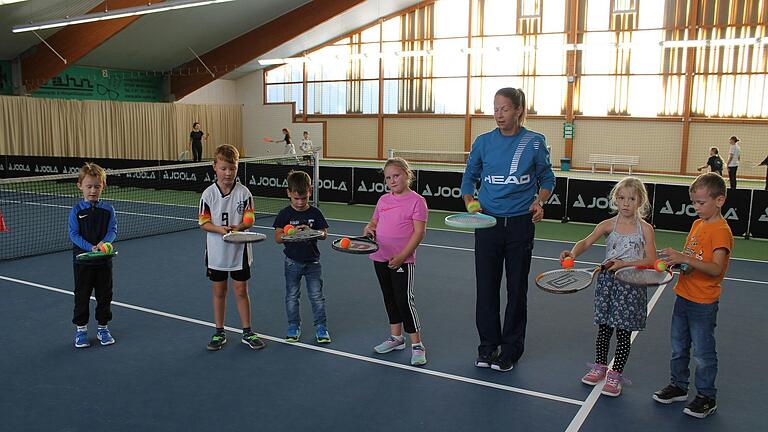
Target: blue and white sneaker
column 322, row 335
column 105, row 338
column 293, row 333
column 81, row 339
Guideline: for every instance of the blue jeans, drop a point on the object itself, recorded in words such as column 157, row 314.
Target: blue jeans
column 312, row 272
column 694, row 323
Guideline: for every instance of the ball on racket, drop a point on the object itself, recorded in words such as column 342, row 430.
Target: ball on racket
column 567, row 263
column 291, row 231
column 473, row 206
column 288, row 228
column 345, row 242
column 106, row 248
column 660, row 265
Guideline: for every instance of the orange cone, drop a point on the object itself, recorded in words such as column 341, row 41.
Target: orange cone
column 3, row 228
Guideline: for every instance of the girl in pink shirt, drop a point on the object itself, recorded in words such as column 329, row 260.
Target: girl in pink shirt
column 399, row 225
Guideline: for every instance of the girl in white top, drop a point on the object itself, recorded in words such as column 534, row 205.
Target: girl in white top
column 734, row 157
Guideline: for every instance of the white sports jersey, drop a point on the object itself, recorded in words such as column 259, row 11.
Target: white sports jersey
column 225, row 210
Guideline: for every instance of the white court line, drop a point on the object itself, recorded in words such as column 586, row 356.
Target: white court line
column 585, row 409
column 322, row 349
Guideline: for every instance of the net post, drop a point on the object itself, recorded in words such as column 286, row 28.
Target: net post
column 316, row 177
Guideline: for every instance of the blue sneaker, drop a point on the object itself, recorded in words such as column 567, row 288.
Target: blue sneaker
column 321, row 334
column 390, row 345
column 105, row 338
column 81, row 339
column 293, row 333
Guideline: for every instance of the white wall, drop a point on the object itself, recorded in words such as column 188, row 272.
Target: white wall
column 266, row 121
column 219, row 92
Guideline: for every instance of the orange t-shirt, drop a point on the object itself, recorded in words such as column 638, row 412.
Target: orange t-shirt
column 701, row 243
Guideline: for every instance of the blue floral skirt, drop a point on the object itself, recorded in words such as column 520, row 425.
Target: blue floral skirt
column 620, row 305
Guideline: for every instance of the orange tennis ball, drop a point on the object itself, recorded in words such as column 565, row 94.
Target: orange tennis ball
column 344, row 243
column 660, row 265
column 106, row 248
column 248, row 219
column 567, row 263
column 288, row 228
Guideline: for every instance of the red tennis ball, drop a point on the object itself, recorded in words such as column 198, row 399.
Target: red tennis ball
column 344, row 243
column 288, row 228
column 106, row 248
column 660, row 265
column 247, row 219
column 567, row 263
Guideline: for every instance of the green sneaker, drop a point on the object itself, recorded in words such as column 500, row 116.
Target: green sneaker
column 217, row 342
column 252, row 340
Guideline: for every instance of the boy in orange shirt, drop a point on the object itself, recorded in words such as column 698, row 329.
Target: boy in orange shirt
column 706, row 253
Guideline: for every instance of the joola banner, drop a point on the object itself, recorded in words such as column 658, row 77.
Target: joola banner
column 673, row 210
column 588, row 200
column 555, row 206
column 367, row 185
column 758, row 226
column 270, row 180
column 441, row 190
column 335, row 184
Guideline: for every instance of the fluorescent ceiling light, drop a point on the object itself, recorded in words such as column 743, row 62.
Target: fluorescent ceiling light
column 117, row 13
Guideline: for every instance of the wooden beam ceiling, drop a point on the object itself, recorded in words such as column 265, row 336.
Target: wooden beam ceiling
column 256, row 42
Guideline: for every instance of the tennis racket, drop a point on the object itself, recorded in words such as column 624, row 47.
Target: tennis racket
column 267, row 139
column 184, row 155
column 357, row 245
column 302, row 235
column 470, row 220
column 95, row 256
column 566, row 281
column 243, row 237
column 646, row 275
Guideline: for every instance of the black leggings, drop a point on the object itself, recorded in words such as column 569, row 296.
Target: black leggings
column 397, row 288
column 197, row 152
column 732, row 175
column 623, row 345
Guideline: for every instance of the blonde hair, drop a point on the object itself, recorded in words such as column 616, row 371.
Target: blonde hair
column 402, row 164
column 91, row 169
column 227, row 153
column 633, row 183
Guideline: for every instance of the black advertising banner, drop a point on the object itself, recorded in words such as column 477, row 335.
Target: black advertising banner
column 335, row 184
column 736, row 210
column 441, row 190
column 270, row 180
column 27, row 166
column 367, row 185
column 555, row 206
column 758, row 226
column 588, row 200
column 673, row 209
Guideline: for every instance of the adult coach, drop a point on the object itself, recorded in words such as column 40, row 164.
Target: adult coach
column 516, row 179
column 734, row 157
column 196, row 142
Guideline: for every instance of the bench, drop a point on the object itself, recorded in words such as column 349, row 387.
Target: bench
column 612, row 160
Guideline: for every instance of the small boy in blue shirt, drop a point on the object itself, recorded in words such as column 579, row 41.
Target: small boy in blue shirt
column 92, row 223
column 302, row 258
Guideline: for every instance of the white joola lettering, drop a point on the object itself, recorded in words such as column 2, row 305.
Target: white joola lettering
column 442, row 191
column 601, row 203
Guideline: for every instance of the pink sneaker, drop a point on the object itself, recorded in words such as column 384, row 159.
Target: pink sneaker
column 595, row 375
column 613, row 384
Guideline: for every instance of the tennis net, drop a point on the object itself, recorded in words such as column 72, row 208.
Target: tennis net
column 148, row 201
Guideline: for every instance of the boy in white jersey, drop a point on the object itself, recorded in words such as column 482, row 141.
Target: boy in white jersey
column 225, row 206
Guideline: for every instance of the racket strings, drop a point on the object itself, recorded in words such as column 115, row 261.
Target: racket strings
column 643, row 277
column 565, row 280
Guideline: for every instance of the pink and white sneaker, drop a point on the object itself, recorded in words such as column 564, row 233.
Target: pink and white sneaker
column 595, row 375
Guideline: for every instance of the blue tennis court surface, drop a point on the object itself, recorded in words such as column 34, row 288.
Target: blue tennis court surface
column 159, row 376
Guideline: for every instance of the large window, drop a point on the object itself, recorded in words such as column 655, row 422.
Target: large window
column 629, row 58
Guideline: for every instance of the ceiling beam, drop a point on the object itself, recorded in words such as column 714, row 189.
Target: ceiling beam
column 256, row 42
column 39, row 64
